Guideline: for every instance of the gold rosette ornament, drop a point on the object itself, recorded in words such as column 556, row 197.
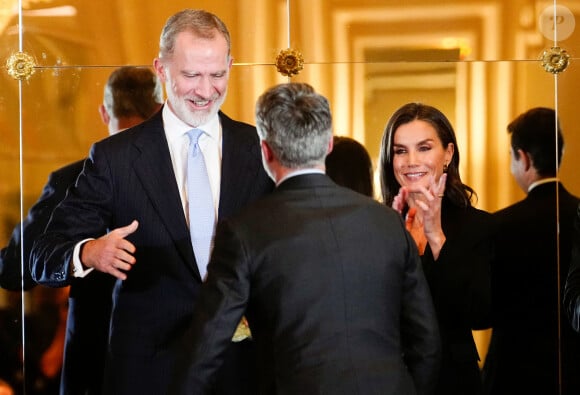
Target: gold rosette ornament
column 289, row 62
column 20, row 66
column 555, row 60
column 242, row 331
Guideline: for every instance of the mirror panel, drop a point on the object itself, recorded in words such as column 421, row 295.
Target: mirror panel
column 566, row 103
column 477, row 61
column 337, row 31
column 61, row 33
column 11, row 302
column 480, row 99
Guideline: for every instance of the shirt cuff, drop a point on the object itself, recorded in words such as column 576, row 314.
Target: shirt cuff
column 78, row 269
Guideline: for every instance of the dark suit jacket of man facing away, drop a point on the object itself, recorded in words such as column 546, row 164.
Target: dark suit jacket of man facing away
column 523, row 355
column 335, row 295
column 572, row 288
column 33, row 225
column 130, row 176
column 89, row 298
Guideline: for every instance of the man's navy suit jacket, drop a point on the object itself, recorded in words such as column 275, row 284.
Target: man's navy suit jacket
column 129, row 176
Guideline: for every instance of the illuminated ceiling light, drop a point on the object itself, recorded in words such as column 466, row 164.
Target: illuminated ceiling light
column 454, row 42
column 66, row 10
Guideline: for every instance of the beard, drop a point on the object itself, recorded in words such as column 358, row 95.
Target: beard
column 194, row 118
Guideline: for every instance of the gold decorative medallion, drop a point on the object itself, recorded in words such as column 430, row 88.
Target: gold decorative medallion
column 20, row 66
column 289, row 62
column 555, row 60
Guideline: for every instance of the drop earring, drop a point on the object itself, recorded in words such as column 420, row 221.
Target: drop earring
column 445, row 168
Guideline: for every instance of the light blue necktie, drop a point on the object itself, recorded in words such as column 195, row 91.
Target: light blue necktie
column 201, row 208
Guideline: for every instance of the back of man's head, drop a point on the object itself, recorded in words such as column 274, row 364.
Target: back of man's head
column 296, row 123
column 536, row 132
column 132, row 95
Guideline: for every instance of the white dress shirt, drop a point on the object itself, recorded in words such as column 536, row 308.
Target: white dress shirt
column 210, row 144
column 299, row 172
column 542, row 181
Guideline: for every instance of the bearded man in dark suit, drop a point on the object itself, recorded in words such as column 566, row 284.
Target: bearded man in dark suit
column 330, row 281
column 128, row 214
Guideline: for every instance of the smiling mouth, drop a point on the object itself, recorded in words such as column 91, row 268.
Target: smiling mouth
column 415, row 176
column 200, row 103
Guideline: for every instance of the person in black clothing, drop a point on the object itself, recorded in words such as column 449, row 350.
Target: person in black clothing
column 131, row 95
column 533, row 348
column 420, row 178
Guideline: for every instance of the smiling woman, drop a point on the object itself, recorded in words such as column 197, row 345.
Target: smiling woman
column 475, row 61
column 453, row 237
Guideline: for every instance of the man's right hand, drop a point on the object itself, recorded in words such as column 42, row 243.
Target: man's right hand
column 111, row 253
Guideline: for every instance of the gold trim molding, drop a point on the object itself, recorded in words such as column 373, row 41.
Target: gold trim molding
column 20, row 66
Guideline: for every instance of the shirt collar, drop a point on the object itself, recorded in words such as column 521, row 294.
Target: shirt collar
column 299, row 173
column 542, row 181
column 175, row 127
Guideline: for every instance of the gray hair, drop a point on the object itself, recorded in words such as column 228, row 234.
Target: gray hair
column 296, row 123
column 201, row 23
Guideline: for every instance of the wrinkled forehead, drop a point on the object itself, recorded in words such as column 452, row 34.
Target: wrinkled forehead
column 195, row 54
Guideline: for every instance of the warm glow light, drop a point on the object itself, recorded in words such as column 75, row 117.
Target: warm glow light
column 66, row 10
column 454, row 42
column 9, row 9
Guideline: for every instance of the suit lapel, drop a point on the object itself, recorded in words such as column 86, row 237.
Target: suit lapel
column 239, row 167
column 155, row 171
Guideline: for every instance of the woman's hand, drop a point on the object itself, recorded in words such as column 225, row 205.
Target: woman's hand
column 400, row 201
column 413, row 224
column 429, row 206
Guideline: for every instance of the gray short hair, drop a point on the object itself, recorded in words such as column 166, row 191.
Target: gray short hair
column 199, row 22
column 296, row 123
